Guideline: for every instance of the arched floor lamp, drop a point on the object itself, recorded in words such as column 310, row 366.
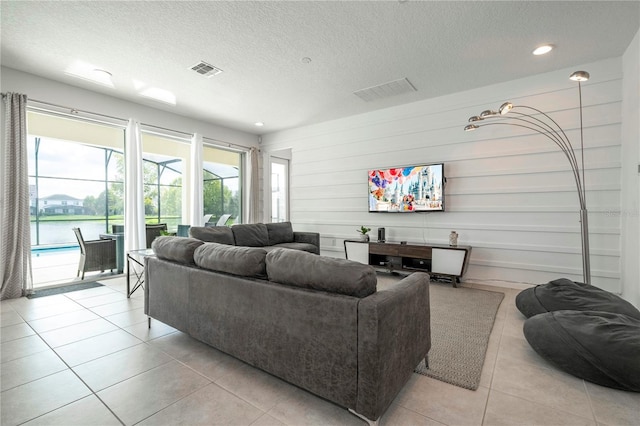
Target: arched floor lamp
column 538, row 121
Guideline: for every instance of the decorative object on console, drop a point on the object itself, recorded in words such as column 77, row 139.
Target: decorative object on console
column 537, row 121
column 453, row 239
column 363, row 233
column 381, row 235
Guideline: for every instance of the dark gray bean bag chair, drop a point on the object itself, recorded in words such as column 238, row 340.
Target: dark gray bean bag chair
column 564, row 294
column 600, row 347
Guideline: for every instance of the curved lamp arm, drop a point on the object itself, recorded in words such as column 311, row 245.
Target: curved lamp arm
column 542, row 123
column 568, row 154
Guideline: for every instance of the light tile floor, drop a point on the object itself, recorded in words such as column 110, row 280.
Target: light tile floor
column 56, row 268
column 88, row 358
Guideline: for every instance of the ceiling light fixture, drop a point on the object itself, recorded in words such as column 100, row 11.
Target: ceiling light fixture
column 89, row 72
column 102, row 77
column 542, row 50
column 259, row 124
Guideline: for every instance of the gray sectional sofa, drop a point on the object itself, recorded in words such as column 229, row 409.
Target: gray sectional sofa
column 270, row 235
column 316, row 322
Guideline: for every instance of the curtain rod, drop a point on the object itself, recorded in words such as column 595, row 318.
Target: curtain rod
column 168, row 130
column 76, row 110
column 228, row 144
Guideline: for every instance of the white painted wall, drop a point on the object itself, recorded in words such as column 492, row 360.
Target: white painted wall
column 51, row 91
column 630, row 206
column 510, row 196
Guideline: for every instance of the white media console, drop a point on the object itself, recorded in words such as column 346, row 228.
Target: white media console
column 436, row 259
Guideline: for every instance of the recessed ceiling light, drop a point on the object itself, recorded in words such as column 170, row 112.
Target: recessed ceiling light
column 544, row 49
column 259, row 124
column 158, row 94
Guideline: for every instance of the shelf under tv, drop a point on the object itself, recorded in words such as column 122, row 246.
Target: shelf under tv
column 436, row 259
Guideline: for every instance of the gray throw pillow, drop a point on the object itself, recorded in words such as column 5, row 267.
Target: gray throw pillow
column 301, row 269
column 213, row 234
column 280, row 233
column 176, row 249
column 251, row 235
column 243, row 261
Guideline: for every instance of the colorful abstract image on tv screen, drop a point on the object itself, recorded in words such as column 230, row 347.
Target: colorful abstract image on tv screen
column 406, row 189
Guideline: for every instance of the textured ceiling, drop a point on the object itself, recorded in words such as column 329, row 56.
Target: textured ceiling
column 440, row 47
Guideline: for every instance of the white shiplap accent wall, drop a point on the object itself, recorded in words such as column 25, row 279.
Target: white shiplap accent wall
column 509, row 193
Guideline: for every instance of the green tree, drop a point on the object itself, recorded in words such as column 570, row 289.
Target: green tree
column 90, row 204
column 213, row 194
column 172, row 198
column 97, row 204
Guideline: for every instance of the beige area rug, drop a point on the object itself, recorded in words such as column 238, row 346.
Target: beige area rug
column 461, row 323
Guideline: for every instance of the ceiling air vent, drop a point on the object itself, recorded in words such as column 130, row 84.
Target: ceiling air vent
column 385, row 90
column 205, row 69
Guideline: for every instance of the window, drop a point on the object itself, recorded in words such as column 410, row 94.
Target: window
column 222, row 184
column 69, row 164
column 164, row 160
column 279, row 189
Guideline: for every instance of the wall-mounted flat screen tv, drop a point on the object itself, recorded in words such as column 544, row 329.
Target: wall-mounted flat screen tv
column 407, row 189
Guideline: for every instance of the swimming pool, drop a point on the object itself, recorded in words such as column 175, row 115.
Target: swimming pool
column 40, row 251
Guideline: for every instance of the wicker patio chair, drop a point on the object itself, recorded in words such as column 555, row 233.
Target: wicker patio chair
column 154, row 231
column 95, row 255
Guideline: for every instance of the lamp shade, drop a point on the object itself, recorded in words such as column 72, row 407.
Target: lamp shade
column 579, row 76
column 505, row 108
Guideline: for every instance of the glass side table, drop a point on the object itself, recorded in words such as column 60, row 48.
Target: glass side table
column 137, row 257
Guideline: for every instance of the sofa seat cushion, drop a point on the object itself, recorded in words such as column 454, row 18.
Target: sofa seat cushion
column 311, row 248
column 600, row 347
column 279, row 233
column 214, row 234
column 176, row 249
column 564, row 294
column 242, row 261
column 251, row 235
column 301, row 269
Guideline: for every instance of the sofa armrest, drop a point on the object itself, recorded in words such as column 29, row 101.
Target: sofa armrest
column 394, row 335
column 307, row 237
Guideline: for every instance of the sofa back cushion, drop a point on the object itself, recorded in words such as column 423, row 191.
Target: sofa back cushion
column 176, row 249
column 301, row 269
column 280, row 233
column 214, row 234
column 251, row 235
column 243, row 261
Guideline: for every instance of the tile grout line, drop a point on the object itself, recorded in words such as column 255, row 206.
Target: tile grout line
column 68, row 367
column 74, row 373
column 495, row 362
column 593, row 411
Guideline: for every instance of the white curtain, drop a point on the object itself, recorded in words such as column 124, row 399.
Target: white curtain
column 135, row 233
column 15, row 228
column 253, row 211
column 196, row 176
